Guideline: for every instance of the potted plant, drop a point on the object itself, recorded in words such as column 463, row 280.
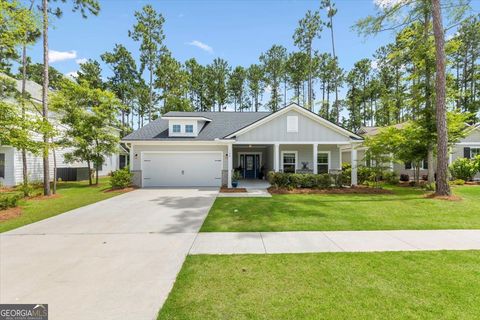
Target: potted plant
column 235, row 177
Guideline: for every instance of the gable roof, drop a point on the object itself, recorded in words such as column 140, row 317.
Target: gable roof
column 221, row 125
column 372, row 131
column 301, row 110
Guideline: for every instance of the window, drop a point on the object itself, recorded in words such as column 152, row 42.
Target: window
column 322, row 162
column 2, row 165
column 292, row 124
column 189, row 128
column 411, row 166
column 289, row 161
column 474, row 152
column 176, row 128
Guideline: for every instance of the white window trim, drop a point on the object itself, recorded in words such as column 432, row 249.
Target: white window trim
column 175, row 126
column 293, row 120
column 191, row 125
column 281, row 158
column 329, row 153
column 471, row 154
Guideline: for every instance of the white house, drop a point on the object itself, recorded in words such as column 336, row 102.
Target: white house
column 467, row 147
column 204, row 148
column 11, row 172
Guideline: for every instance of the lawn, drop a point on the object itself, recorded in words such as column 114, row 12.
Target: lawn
column 72, row 195
column 406, row 208
column 391, row 285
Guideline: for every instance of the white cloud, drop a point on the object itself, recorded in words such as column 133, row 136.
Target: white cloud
column 201, row 45
column 55, row 56
column 181, row 15
column 81, row 60
column 72, row 74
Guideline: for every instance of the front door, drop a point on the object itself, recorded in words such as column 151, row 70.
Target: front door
column 250, row 166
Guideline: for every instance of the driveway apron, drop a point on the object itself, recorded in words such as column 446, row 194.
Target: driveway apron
column 115, row 259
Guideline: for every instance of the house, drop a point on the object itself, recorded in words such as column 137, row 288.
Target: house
column 467, row 147
column 11, row 172
column 204, row 148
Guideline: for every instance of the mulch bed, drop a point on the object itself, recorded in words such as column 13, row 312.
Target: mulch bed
column 124, row 190
column 356, row 190
column 10, row 213
column 232, row 190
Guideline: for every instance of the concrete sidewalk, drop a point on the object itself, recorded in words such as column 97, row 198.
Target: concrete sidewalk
column 334, row 241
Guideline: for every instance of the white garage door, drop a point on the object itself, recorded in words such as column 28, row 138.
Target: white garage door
column 182, row 169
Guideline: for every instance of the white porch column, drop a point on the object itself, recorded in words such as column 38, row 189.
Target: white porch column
column 354, row 180
column 276, row 157
column 230, row 164
column 315, row 152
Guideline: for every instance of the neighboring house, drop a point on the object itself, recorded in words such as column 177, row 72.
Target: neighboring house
column 11, row 172
column 203, row 148
column 468, row 147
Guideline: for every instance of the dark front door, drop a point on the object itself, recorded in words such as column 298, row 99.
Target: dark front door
column 250, row 166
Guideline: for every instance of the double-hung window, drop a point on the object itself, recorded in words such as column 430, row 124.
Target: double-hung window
column 176, row 128
column 189, row 128
column 289, row 161
column 322, row 162
column 474, row 152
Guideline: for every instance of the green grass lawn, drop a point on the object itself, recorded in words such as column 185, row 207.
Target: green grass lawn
column 407, row 208
column 71, row 195
column 392, row 285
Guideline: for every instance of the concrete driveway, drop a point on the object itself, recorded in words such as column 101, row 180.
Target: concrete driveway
column 115, row 259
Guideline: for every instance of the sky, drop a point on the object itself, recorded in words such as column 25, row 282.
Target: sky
column 237, row 31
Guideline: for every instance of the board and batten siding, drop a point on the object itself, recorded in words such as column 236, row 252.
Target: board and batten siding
column 308, row 130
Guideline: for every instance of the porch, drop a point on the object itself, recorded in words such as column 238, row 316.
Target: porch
column 254, row 161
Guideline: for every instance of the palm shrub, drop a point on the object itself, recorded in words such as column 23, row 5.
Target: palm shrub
column 463, row 168
column 121, row 179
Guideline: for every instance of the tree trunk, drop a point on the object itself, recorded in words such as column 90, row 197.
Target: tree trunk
column 54, row 170
column 443, row 188
column 310, row 96
column 96, row 175
column 431, row 170
column 46, row 169
column 150, row 85
column 24, row 81
column 89, row 173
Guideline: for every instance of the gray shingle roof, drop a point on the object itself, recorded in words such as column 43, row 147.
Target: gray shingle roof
column 222, row 124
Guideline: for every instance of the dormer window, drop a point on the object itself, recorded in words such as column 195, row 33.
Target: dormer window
column 189, row 128
column 176, row 128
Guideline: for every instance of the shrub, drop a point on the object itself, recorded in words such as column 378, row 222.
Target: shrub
column 429, row 186
column 366, row 174
column 404, row 177
column 121, row 178
column 324, row 181
column 458, row 182
column 390, row 177
column 463, row 168
column 9, row 200
column 297, row 180
column 424, row 177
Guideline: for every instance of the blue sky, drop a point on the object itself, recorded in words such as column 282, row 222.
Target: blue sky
column 238, row 31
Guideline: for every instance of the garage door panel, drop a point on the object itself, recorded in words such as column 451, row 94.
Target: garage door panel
column 182, row 169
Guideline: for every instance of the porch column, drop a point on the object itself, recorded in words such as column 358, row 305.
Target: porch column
column 230, row 164
column 315, row 152
column 276, row 157
column 354, row 180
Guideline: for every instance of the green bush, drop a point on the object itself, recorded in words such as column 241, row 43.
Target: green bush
column 463, row 168
column 9, row 200
column 429, row 186
column 297, row 180
column 121, row 179
column 458, row 182
column 324, row 181
column 390, row 177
